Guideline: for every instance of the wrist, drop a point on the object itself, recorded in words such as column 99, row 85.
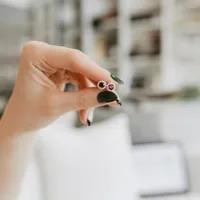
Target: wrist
column 6, row 129
column 11, row 121
column 11, row 134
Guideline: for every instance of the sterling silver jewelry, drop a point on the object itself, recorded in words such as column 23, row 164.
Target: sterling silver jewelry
column 102, row 85
column 110, row 86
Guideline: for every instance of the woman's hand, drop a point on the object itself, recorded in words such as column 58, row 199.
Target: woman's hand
column 38, row 97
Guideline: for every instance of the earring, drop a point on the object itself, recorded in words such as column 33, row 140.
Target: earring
column 101, row 85
column 111, row 86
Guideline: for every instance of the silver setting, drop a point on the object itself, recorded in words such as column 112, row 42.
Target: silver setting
column 100, row 83
column 111, row 84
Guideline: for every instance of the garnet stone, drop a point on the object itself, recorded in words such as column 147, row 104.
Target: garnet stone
column 101, row 85
column 111, row 86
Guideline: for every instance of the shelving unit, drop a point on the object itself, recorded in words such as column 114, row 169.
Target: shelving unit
column 108, row 33
column 155, row 39
column 182, row 42
column 124, row 36
column 58, row 22
column 139, row 57
column 100, row 32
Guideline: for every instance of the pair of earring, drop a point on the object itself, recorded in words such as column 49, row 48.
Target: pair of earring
column 102, row 85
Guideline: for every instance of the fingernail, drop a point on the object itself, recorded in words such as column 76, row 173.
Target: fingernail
column 115, row 78
column 119, row 102
column 118, row 99
column 106, row 97
column 90, row 117
column 89, row 122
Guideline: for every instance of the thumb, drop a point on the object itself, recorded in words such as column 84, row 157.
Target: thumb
column 86, row 98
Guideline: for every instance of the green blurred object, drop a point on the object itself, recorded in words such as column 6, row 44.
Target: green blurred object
column 190, row 92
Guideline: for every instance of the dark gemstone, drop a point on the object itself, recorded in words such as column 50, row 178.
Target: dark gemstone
column 102, row 85
column 111, row 87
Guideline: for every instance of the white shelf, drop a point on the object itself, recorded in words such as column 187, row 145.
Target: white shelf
column 146, row 25
column 107, row 26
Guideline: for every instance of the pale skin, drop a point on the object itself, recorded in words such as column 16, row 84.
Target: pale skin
column 38, row 100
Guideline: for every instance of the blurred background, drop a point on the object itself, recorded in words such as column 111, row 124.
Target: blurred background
column 154, row 46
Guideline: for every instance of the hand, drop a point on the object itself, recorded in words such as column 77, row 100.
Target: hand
column 38, row 98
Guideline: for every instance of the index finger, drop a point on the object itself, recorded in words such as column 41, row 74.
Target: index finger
column 76, row 61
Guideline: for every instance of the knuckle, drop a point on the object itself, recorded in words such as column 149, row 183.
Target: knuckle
column 30, row 46
column 77, row 57
column 28, row 53
column 75, row 53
